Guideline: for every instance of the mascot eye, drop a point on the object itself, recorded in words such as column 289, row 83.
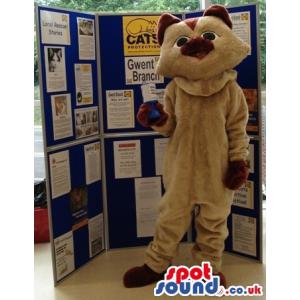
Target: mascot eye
column 181, row 41
column 209, row 35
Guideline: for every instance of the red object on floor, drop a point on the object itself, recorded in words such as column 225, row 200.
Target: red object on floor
column 41, row 225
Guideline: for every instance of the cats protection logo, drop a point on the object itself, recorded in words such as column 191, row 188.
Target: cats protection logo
column 139, row 35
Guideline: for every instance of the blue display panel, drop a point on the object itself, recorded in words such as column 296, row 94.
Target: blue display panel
column 113, row 64
column 71, row 57
column 72, row 211
column 248, row 72
column 121, row 201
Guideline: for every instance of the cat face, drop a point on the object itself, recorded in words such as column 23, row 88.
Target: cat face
column 199, row 48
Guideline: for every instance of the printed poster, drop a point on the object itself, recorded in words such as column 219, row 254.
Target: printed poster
column 84, row 84
column 127, row 159
column 241, row 26
column 92, row 158
column 55, row 69
column 139, row 35
column 79, row 206
column 86, row 38
column 140, row 70
column 60, row 173
column 120, row 109
column 147, row 196
column 150, row 92
column 244, row 234
column 252, row 102
column 160, row 146
column 61, row 116
column 64, row 255
column 86, row 121
column 244, row 196
column 55, row 28
column 160, row 93
column 96, row 240
column 250, row 158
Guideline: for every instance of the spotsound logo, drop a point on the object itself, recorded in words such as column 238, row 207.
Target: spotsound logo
column 139, row 35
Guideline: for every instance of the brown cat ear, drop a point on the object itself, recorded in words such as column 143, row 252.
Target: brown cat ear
column 219, row 11
column 164, row 22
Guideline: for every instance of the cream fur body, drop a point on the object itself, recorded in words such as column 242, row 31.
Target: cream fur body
column 207, row 128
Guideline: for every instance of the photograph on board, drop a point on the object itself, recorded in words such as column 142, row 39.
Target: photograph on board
column 55, row 59
column 61, row 116
column 86, row 38
column 86, row 121
column 86, row 27
column 79, row 200
column 55, row 69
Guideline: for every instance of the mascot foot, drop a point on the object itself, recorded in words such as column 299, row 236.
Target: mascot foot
column 141, row 276
column 222, row 279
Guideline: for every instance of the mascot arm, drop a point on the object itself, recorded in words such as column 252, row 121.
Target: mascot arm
column 236, row 123
column 167, row 128
column 166, row 123
column 237, row 118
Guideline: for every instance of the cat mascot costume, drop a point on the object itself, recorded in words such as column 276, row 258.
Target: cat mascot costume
column 205, row 115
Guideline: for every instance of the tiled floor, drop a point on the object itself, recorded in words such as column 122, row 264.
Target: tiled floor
column 101, row 279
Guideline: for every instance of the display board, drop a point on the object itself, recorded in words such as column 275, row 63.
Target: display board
column 104, row 174
column 69, row 75
column 76, row 206
column 70, row 114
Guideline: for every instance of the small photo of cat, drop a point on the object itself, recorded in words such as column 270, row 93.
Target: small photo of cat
column 54, row 59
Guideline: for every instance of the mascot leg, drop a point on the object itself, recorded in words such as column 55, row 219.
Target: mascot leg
column 211, row 228
column 172, row 224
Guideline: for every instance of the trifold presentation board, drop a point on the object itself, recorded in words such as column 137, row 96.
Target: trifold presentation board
column 104, row 170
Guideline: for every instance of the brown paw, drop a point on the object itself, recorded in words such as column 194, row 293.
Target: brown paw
column 237, row 174
column 143, row 115
column 141, row 276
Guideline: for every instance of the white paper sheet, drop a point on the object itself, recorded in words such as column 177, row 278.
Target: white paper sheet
column 160, row 93
column 141, row 69
column 64, row 255
column 55, row 28
column 96, row 235
column 60, row 173
column 92, row 157
column 61, row 116
column 244, row 234
column 149, row 92
column 244, row 196
column 241, row 26
column 147, row 196
column 86, row 121
column 84, row 84
column 86, row 38
column 127, row 159
column 55, row 69
column 160, row 149
column 120, row 109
